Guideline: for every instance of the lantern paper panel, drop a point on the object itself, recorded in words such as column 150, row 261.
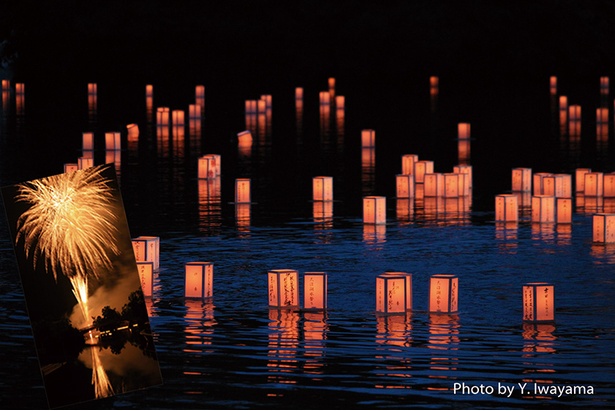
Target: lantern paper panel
column 209, row 166
column 434, row 185
column 242, row 191
column 553, row 84
column 463, row 130
column 538, row 302
column 87, row 139
column 322, row 188
column 443, row 293
column 147, row 248
column 574, row 113
column 146, row 275
column 391, row 294
column 408, row 284
column 522, row 179
column 557, row 185
column 368, row 138
column 374, row 210
column 421, row 168
column 199, row 280
column 283, row 288
column 315, row 291
column 407, row 163
column 594, row 184
column 340, row 103
column 70, row 167
column 467, row 170
column 506, row 208
column 538, row 182
column 404, row 185
column 113, row 141
column 580, row 179
column 564, row 210
column 543, row 209
column 85, row 162
column 608, row 185
column 603, row 227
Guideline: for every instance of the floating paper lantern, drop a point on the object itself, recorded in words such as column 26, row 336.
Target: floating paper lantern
column 209, row 166
column 315, row 291
column 506, row 208
column 574, row 113
column 85, row 162
column 6, row 84
column 368, row 138
column 608, row 185
column 557, row 185
column 434, row 85
column 563, row 104
column 199, row 97
column 374, row 210
column 133, row 132
column 322, row 188
column 407, row 163
column 580, row 179
column 594, row 184
column 443, row 293
column 603, row 228
column 163, row 116
column 463, row 131
column 434, row 184
column 455, row 185
column 553, row 84
column 298, row 93
column 404, row 185
column 564, row 210
column 340, row 103
column 522, row 179
column 324, row 98
column 538, row 302
column 391, row 293
column 283, row 288
column 539, row 182
column 199, row 280
column 147, row 248
column 467, row 170
column 92, row 89
column 268, row 99
column 242, row 191
column 20, row 89
column 87, row 139
column 149, row 91
column 604, row 85
column 113, row 141
column 420, row 169
column 146, row 275
column 70, row 167
column 602, row 115
column 543, row 209
column 194, row 111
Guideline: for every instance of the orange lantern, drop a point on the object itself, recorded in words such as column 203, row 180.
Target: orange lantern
column 463, row 150
column 298, row 93
column 283, row 288
column 199, row 280
column 6, row 85
column 368, row 138
column 194, row 111
column 199, row 97
column 574, row 113
column 538, row 302
column 420, row 169
column 506, row 208
column 539, row 182
column 609, row 185
column 146, row 275
column 603, row 228
column 557, row 185
column 522, row 179
column 87, row 141
column 604, row 85
column 85, row 162
column 407, row 163
column 325, row 98
column 602, row 115
column 564, row 210
column 242, row 191
column 163, row 115
column 463, row 131
column 580, row 179
column 147, row 248
column 434, row 85
column 322, row 188
column 456, row 185
column 70, row 167
column 563, row 104
column 443, row 293
column 467, row 170
column 553, row 84
column 404, row 185
column 543, row 209
column 594, row 184
column 92, row 89
column 315, row 291
column 434, row 185
column 133, row 132
column 391, row 292
column 374, row 210
column 149, row 91
column 113, row 140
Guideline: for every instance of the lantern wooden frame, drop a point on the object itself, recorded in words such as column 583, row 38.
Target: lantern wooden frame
column 147, row 248
column 315, row 291
column 199, row 280
column 444, row 294
column 283, row 287
column 374, row 210
column 538, row 302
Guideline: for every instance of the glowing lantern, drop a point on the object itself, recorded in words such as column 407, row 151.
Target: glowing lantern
column 467, row 170
column 602, row 115
column 522, row 179
column 322, row 188
column 420, row 169
column 557, row 185
column 209, row 166
column 391, row 293
column 6, row 84
column 455, row 185
column 163, row 115
column 594, row 184
column 580, row 179
column 146, row 275
column 609, row 185
column 563, row 104
column 283, row 288
column 340, row 103
column 149, row 91
column 199, row 280
column 70, row 167
column 85, row 162
column 539, row 182
column 299, row 93
column 199, row 97
column 463, row 131
column 113, row 141
column 463, row 150
column 92, row 89
column 404, row 185
column 604, row 85
column 20, row 89
column 543, row 209
column 87, row 141
column 133, row 132
column 603, row 228
column 325, row 98
column 268, row 99
column 147, row 248
column 506, row 208
column 434, row 185
column 368, row 138
column 553, row 84
column 407, row 163
column 194, row 111
column 374, row 210
column 538, row 302
column 443, row 293
column 434, row 85
column 564, row 210
column 331, row 81
column 242, row 190
column 574, row 113
column 315, row 291
column 251, row 107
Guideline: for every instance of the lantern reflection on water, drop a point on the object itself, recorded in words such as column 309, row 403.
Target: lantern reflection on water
column 538, row 302
column 443, row 293
column 242, row 191
column 283, row 287
column 199, row 280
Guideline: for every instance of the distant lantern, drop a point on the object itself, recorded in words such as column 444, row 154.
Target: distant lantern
column 602, row 115
column 434, row 85
column 374, row 210
column 199, row 282
column 340, row 103
column 522, row 179
column 608, row 185
column 244, row 138
column 146, row 275
column 113, row 140
column 268, row 99
column 163, row 116
column 404, row 185
column 563, row 210
column 455, row 185
column 506, row 208
column 603, row 228
column 298, row 93
column 283, row 288
column 391, row 293
column 242, row 191
column 87, row 139
column 261, row 106
column 6, row 84
column 604, row 85
column 149, row 91
column 194, row 111
column 434, row 185
column 368, row 138
column 420, row 169
column 322, row 188
column 147, row 248
column 463, row 131
column 467, row 170
column 543, row 209
column 92, row 89
column 324, row 98
column 580, row 179
column 553, row 84
column 538, row 302
column 133, row 132
column 85, row 162
column 463, row 150
column 407, row 163
column 563, row 104
column 574, row 113
column 315, row 291
column 594, row 184
column 199, row 97
column 443, row 293
column 178, row 117
column 209, row 166
column 539, row 183
column 70, row 167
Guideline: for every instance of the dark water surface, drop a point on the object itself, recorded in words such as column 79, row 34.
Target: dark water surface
column 235, row 352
